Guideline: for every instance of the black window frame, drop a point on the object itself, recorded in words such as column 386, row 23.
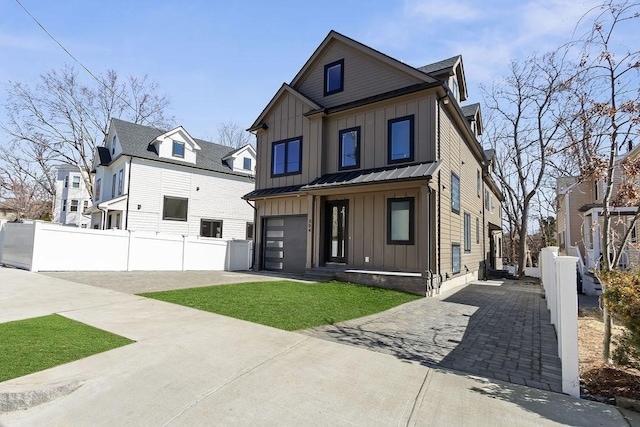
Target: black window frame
column 168, row 218
column 286, row 157
column 411, row 240
column 340, row 148
column 212, row 221
column 454, row 209
column 455, row 246
column 244, row 163
column 467, row 232
column 326, row 80
column 173, row 148
column 390, row 123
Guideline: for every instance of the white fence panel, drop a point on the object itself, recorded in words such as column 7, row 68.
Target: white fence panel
column 2, row 223
column 532, row 272
column 17, row 245
column 155, row 251
column 240, row 255
column 204, row 254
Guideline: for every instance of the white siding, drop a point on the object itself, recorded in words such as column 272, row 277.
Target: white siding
column 69, row 193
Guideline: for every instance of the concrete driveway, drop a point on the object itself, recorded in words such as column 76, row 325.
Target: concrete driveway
column 189, row 367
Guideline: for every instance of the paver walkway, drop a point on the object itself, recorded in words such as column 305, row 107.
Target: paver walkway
column 495, row 329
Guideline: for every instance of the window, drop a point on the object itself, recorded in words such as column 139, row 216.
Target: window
column 210, row 228
column 595, row 190
column 477, row 230
column 113, row 144
column 400, row 139
column 74, row 205
column 246, row 164
column 633, row 237
column 175, row 208
column 66, row 181
column 455, row 258
column 454, row 88
column 85, row 205
column 249, row 231
column 455, row 193
column 478, row 184
column 113, row 185
column 350, row 148
column 64, row 205
column 467, row 232
column 76, row 182
column 98, row 182
column 120, row 181
column 486, row 200
column 334, row 77
column 178, row 149
column 400, row 221
column 286, row 157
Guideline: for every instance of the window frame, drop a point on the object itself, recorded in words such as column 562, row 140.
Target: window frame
column 212, row 221
column 244, row 163
column 97, row 192
column 120, row 181
column 340, row 148
column 455, row 209
column 455, row 246
column 73, row 182
column 326, row 79
column 113, row 185
column 64, row 205
column 168, row 218
column 173, row 148
column 113, row 144
column 73, row 205
column 467, row 232
column 286, row 143
column 390, row 123
column 411, row 240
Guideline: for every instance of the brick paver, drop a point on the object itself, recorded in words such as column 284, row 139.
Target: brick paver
column 494, row 329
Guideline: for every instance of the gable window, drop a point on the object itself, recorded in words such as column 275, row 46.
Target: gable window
column 467, row 232
column 211, row 228
column 400, row 228
column 400, row 139
column 76, row 182
column 249, row 231
column 178, row 149
column 120, row 181
column 74, row 205
column 113, row 144
column 98, row 182
column 454, row 88
column 246, row 163
column 286, row 157
column 334, row 77
column 113, row 185
column 455, row 193
column 455, row 258
column 478, row 184
column 175, row 208
column 350, row 148
column 477, row 230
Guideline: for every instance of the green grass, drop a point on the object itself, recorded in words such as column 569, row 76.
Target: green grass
column 40, row 343
column 288, row 305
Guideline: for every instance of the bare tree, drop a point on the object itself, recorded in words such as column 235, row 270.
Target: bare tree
column 232, row 135
column 21, row 180
column 62, row 120
column 524, row 125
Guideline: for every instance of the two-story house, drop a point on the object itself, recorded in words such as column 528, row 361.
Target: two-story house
column 366, row 163
column 167, row 181
column 72, row 197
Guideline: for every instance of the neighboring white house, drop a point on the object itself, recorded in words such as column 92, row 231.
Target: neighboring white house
column 72, row 197
column 149, row 180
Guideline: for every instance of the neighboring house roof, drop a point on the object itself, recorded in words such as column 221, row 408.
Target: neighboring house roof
column 470, row 111
column 441, row 67
column 136, row 141
column 247, row 147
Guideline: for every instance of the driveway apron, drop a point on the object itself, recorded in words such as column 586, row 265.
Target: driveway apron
column 495, row 329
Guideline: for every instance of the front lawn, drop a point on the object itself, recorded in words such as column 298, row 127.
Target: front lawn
column 40, row 343
column 288, row 305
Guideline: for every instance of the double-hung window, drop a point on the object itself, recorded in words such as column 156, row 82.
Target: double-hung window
column 286, row 157
column 74, row 205
column 467, row 232
column 76, row 182
column 350, row 148
column 175, row 208
column 334, row 77
column 455, row 193
column 400, row 139
column 178, row 149
column 246, row 163
column 400, row 219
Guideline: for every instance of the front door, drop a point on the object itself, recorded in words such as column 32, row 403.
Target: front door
column 337, row 219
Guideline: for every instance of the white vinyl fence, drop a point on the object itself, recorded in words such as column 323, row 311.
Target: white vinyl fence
column 41, row 246
column 560, row 287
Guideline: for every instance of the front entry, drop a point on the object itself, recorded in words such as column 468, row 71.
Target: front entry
column 337, row 234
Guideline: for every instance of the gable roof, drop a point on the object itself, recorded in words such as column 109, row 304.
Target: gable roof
column 470, row 111
column 137, row 141
column 441, row 67
column 334, row 35
column 257, row 124
column 246, row 147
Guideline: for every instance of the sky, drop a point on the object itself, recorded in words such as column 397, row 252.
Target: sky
column 223, row 61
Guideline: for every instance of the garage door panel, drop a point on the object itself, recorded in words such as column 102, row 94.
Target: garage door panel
column 285, row 244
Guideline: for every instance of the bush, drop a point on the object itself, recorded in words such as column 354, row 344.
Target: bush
column 622, row 296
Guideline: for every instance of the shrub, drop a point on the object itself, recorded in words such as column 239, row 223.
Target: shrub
column 622, row 296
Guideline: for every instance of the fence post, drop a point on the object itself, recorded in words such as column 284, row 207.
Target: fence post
column 568, row 329
column 34, row 265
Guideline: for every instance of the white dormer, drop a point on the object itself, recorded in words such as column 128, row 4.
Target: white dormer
column 177, row 145
column 242, row 160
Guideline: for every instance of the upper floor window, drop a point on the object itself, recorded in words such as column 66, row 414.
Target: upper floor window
column 334, row 77
column 178, row 149
column 595, row 190
column 400, row 139
column 76, row 182
column 350, row 148
column 113, row 144
column 120, row 181
column 175, row 208
column 246, row 163
column 113, row 185
column 98, row 182
column 85, row 205
column 286, row 157
column 74, row 205
column 455, row 193
column 478, row 183
column 467, row 232
column 64, row 205
column 66, row 181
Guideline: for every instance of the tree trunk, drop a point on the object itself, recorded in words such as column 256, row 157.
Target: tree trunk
column 522, row 244
column 606, row 342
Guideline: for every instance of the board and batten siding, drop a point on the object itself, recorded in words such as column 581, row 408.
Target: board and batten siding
column 364, row 76
column 210, row 195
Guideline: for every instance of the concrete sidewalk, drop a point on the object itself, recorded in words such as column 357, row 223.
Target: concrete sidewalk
column 190, row 367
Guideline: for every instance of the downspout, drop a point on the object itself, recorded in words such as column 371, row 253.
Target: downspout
column 484, row 230
column 438, row 157
column 255, row 220
column 126, row 217
column 567, row 223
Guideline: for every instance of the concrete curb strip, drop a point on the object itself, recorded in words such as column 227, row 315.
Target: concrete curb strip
column 22, row 400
